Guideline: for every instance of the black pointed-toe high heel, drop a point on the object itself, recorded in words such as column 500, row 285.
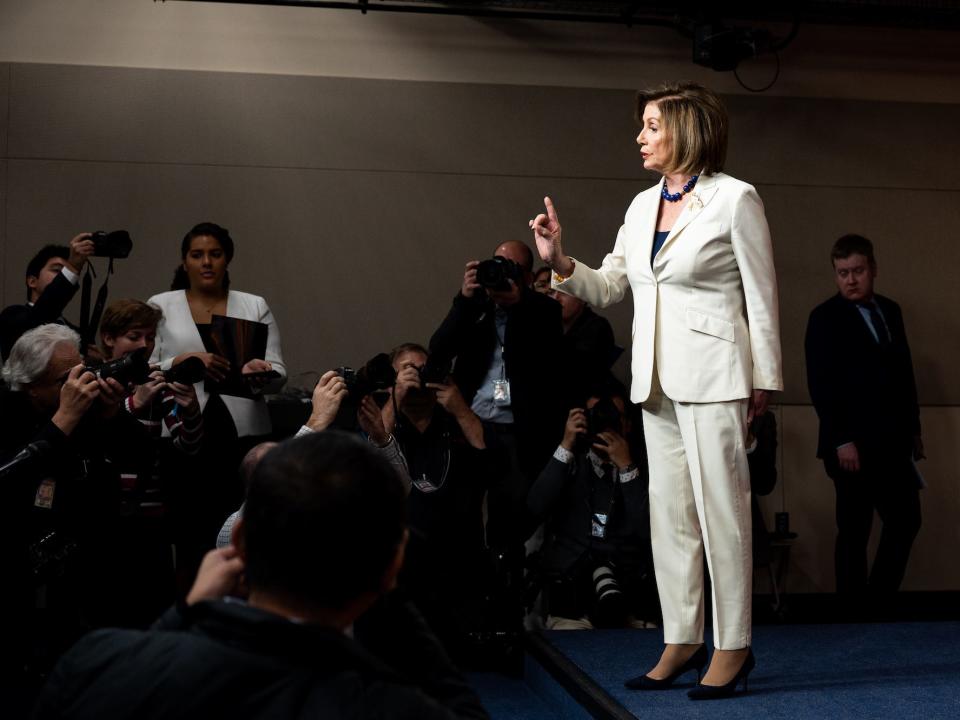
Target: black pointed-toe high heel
column 717, row 692
column 697, row 661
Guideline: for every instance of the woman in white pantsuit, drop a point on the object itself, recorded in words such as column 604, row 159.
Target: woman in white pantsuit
column 695, row 252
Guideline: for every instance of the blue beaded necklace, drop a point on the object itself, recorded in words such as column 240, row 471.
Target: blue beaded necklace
column 675, row 197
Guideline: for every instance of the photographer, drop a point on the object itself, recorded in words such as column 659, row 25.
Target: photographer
column 165, row 403
column 52, row 278
column 319, row 635
column 130, row 326
column 499, row 330
column 328, row 407
column 595, row 562
column 60, row 506
column 451, row 459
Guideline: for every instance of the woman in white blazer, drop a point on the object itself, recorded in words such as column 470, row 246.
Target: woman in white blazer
column 695, row 252
column 201, row 291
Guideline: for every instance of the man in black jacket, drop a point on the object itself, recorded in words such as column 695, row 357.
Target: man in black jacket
column 52, row 278
column 451, row 458
column 596, row 561
column 67, row 441
column 860, row 377
column 321, row 541
column 589, row 349
column 507, row 339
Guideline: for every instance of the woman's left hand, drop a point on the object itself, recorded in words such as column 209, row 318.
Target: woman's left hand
column 757, row 405
column 256, row 366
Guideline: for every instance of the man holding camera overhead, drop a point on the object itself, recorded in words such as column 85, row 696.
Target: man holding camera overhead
column 52, row 278
column 505, row 338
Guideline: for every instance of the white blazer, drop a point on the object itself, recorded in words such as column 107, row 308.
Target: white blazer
column 707, row 309
column 178, row 334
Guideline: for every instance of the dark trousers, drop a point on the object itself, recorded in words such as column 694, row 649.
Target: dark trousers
column 889, row 487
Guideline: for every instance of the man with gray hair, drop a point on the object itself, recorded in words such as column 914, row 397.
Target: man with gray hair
column 64, row 442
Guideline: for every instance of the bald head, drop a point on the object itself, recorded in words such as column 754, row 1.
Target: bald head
column 252, row 459
column 518, row 252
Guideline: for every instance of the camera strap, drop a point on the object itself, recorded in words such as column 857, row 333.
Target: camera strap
column 600, row 520
column 89, row 323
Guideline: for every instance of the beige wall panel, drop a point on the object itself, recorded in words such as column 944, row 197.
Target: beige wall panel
column 914, row 233
column 836, row 144
column 807, row 493
column 90, row 113
column 6, row 252
column 5, row 70
column 4, row 112
column 116, row 114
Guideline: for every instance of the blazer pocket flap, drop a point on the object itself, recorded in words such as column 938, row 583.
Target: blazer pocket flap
column 709, row 324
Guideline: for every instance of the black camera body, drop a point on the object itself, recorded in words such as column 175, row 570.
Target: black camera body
column 377, row 376
column 115, row 244
column 497, row 272
column 189, row 371
column 433, row 371
column 131, row 368
column 134, row 368
column 602, row 417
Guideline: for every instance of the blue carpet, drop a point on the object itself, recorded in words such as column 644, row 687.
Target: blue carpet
column 507, row 698
column 898, row 670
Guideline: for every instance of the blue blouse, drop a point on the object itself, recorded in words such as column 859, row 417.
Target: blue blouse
column 659, row 237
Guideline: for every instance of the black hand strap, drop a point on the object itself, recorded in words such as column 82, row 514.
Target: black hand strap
column 86, row 288
column 90, row 323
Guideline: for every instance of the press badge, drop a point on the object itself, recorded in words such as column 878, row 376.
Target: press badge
column 598, row 525
column 44, row 498
column 424, row 485
column 501, row 392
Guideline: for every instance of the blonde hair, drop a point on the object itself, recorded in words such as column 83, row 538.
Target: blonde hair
column 696, row 123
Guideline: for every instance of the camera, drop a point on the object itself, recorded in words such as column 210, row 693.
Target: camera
column 134, row 368
column 497, row 272
column 131, row 368
column 116, row 244
column 433, row 371
column 377, row 376
column 190, row 371
column 602, row 417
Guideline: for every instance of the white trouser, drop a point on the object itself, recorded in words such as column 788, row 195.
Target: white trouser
column 700, row 500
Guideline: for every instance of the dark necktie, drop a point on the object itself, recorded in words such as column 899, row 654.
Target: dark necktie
column 879, row 326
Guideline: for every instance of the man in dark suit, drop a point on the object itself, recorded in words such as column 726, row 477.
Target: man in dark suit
column 861, row 381
column 52, row 277
column 506, row 340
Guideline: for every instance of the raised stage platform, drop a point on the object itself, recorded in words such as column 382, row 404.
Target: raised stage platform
column 884, row 670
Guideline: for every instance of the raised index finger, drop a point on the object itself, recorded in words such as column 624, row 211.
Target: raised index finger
column 551, row 210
